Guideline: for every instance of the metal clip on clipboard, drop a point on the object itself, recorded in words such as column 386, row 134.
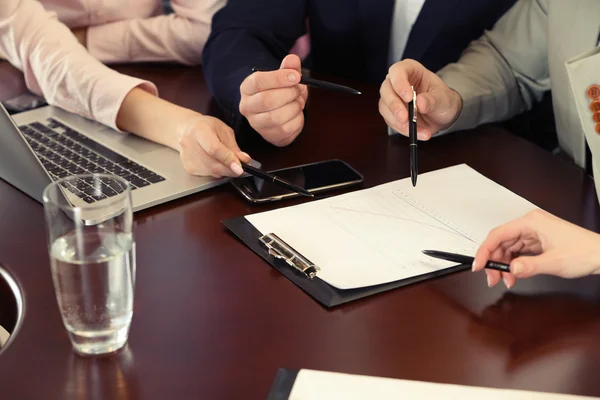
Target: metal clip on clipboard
column 280, row 249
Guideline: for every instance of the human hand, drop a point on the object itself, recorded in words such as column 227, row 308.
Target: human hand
column 207, row 146
column 438, row 106
column 539, row 243
column 273, row 102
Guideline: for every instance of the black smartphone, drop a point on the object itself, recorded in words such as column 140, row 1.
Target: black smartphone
column 316, row 177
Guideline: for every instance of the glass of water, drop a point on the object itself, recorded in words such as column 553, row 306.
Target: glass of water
column 92, row 253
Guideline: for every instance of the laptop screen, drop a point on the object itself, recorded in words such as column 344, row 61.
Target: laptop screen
column 18, row 164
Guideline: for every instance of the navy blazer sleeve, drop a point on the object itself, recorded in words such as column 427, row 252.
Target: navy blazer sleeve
column 246, row 34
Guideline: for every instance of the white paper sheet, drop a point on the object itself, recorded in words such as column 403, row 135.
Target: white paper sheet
column 317, row 385
column 376, row 235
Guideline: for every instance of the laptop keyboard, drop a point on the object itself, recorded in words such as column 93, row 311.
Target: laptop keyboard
column 63, row 151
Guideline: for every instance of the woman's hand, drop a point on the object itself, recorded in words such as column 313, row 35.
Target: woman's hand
column 207, row 146
column 539, row 243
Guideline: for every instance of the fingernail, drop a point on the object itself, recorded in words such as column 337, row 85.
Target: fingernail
column 516, row 268
column 473, row 266
column 506, row 283
column 245, row 154
column 403, row 94
column 488, row 281
column 236, row 168
column 292, row 77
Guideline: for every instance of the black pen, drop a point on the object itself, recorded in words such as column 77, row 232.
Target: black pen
column 278, row 181
column 318, row 84
column 459, row 258
column 412, row 136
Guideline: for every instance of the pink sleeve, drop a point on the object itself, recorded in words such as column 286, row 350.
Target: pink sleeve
column 302, row 47
column 57, row 67
column 176, row 37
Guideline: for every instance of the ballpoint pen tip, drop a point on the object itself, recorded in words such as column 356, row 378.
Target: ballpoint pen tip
column 305, row 193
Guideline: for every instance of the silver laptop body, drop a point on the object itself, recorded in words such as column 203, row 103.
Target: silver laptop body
column 31, row 139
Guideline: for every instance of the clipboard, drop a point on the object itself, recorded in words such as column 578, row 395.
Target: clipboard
column 282, row 384
column 305, row 274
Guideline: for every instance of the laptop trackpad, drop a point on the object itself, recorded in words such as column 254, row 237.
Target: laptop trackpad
column 129, row 141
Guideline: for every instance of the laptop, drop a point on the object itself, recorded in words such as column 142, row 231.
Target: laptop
column 46, row 144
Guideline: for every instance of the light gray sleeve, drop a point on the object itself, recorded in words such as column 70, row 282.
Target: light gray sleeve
column 504, row 72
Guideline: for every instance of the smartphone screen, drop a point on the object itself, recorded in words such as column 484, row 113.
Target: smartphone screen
column 313, row 177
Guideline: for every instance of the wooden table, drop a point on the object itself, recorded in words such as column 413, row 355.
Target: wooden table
column 212, row 320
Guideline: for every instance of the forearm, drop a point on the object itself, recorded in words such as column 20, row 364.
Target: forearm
column 178, row 37
column 486, row 86
column 56, row 66
column 152, row 118
column 504, row 72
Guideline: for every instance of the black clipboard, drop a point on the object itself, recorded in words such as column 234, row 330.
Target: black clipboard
column 318, row 289
column 282, row 384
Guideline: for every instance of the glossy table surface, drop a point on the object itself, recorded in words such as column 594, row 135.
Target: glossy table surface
column 212, row 320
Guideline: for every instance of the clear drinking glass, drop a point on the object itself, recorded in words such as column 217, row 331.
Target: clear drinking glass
column 92, row 253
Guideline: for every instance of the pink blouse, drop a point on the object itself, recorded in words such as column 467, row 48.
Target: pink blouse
column 57, row 67
column 137, row 30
